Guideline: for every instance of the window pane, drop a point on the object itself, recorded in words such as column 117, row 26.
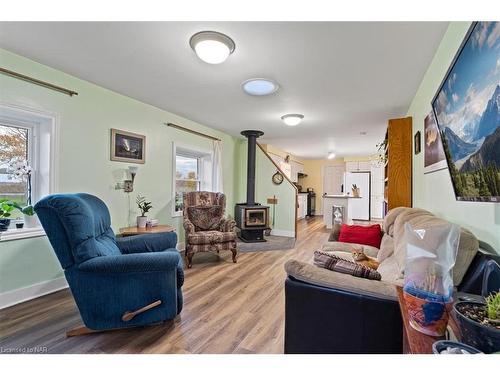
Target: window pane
column 13, row 149
column 186, row 168
column 182, row 186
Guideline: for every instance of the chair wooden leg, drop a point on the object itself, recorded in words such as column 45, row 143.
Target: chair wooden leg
column 79, row 331
column 189, row 258
column 235, row 252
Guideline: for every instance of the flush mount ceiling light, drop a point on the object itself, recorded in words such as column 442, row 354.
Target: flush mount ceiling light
column 331, row 155
column 260, row 86
column 211, row 46
column 292, row 119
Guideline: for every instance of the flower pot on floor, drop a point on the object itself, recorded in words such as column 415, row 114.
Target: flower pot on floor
column 141, row 221
column 483, row 337
column 4, row 224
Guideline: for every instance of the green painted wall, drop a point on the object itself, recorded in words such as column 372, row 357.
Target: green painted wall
column 265, row 188
column 434, row 191
column 83, row 157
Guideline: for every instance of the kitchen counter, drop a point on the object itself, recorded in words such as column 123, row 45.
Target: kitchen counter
column 340, row 196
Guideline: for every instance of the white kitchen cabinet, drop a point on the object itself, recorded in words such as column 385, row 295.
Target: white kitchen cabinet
column 357, row 166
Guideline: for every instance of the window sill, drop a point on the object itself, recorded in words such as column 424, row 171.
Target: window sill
column 177, row 214
column 18, row 234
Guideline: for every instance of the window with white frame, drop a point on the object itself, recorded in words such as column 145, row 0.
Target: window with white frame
column 27, row 145
column 192, row 172
column 15, row 153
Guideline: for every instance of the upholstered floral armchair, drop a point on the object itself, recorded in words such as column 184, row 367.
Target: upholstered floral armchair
column 205, row 226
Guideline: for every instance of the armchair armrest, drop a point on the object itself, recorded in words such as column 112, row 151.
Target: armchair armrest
column 132, row 263
column 188, row 226
column 147, row 243
column 227, row 224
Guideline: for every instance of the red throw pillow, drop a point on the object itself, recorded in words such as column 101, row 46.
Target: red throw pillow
column 363, row 235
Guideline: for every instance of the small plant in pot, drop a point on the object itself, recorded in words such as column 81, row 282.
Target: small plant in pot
column 21, row 170
column 479, row 323
column 6, row 207
column 144, row 207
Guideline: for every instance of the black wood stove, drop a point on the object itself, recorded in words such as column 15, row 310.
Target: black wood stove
column 251, row 218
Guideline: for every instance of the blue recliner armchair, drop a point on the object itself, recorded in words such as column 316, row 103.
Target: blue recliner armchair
column 108, row 276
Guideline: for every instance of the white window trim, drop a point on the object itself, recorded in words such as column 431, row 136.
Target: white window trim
column 45, row 164
column 200, row 153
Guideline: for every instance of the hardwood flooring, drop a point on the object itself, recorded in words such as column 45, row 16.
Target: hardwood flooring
column 228, row 308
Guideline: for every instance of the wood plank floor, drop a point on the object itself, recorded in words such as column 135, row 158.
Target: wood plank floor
column 228, row 308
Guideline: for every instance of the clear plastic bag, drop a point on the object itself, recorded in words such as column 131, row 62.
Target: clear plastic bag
column 428, row 281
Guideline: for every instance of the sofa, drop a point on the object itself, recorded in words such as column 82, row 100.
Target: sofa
column 330, row 312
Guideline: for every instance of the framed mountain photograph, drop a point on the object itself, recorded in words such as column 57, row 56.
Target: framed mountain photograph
column 434, row 157
column 128, row 147
column 467, row 110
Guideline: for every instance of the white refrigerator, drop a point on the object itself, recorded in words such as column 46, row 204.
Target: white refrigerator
column 359, row 208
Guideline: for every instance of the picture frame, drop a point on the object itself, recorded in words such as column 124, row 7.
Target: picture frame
column 434, row 157
column 127, row 147
column 418, row 142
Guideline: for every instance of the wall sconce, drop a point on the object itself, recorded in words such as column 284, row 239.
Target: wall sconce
column 128, row 185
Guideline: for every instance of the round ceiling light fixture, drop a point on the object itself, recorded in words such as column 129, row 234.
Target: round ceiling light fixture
column 292, row 119
column 260, row 86
column 331, row 155
column 211, row 46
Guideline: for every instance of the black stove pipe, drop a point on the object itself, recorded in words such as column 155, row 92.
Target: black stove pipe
column 252, row 136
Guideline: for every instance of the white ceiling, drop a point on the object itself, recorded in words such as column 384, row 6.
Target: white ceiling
column 344, row 77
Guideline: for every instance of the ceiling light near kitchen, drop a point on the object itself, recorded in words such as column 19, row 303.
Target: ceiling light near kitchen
column 331, row 155
column 211, row 46
column 292, row 119
column 260, row 86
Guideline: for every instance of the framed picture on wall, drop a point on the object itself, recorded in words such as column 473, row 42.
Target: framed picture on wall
column 128, row 147
column 434, row 157
column 418, row 142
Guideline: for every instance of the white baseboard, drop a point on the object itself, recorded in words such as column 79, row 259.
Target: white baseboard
column 16, row 296
column 283, row 233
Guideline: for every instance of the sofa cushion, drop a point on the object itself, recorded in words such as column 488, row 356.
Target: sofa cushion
column 361, row 234
column 337, row 264
column 211, row 237
column 348, row 247
column 390, row 218
column 386, row 248
column 389, row 271
column 311, row 274
column 205, row 217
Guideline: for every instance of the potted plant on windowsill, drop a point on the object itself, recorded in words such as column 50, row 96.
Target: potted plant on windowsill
column 6, row 207
column 144, row 207
column 479, row 323
column 21, row 170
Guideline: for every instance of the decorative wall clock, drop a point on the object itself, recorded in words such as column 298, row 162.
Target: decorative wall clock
column 277, row 178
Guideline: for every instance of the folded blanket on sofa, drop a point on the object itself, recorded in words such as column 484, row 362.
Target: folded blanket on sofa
column 337, row 264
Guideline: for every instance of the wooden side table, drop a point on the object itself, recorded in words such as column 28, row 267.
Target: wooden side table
column 415, row 342
column 133, row 231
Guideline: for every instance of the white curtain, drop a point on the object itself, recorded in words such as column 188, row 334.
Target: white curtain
column 217, row 168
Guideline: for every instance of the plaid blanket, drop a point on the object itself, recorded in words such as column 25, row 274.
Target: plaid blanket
column 334, row 263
